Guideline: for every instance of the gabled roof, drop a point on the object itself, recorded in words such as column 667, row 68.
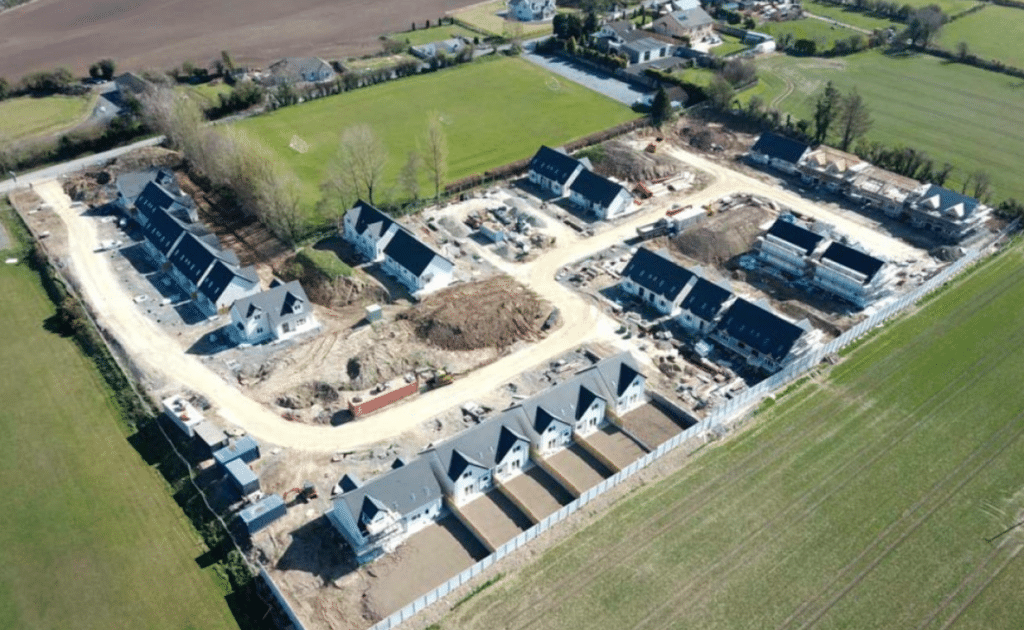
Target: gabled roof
column 832, row 160
column 564, row 403
column 760, row 329
column 300, row 66
column 618, row 372
column 656, row 272
column 132, row 184
column 853, row 259
column 349, row 482
column 221, row 276
column 596, row 189
column 163, row 231
column 132, row 83
column 692, row 18
column 484, row 445
column 278, row 302
column 404, row 490
column 705, row 299
column 800, row 237
column 192, row 257
column 410, row 252
column 369, row 217
column 948, row 203
column 554, row 165
column 153, row 198
column 779, row 147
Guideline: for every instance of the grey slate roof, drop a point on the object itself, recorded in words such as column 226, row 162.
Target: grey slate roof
column 693, row 18
column 655, row 272
column 948, row 202
column 760, row 329
column 780, row 148
column 595, row 189
column 483, row 445
column 163, row 231
column 410, row 252
column 565, row 402
column 220, row 277
column 369, row 217
column 192, row 257
column 643, row 44
column 132, row 184
column 705, row 299
column 800, row 237
column 278, row 302
column 618, row 372
column 554, row 165
column 853, row 259
column 405, row 490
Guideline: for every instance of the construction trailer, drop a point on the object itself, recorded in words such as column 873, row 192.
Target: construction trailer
column 245, row 449
column 242, row 477
column 182, row 413
column 263, row 513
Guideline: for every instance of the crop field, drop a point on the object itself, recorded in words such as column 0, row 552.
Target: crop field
column 958, row 114
column 866, row 498
column 821, row 33
column 494, row 112
column 490, row 17
column 853, row 18
column 992, row 33
column 26, row 117
column 90, row 536
column 433, row 34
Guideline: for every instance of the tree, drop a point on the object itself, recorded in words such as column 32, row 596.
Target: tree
column 720, row 93
column 924, row 24
column 281, row 208
column 5, row 88
column 755, row 107
column 805, row 47
column 225, row 58
column 982, row 185
column 409, row 176
column 107, row 68
column 854, row 119
column 825, row 111
column 94, row 71
column 590, row 24
column 963, row 51
column 940, row 176
column 359, row 164
column 435, row 154
column 661, row 109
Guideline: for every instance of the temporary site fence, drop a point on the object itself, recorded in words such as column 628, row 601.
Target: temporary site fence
column 718, row 420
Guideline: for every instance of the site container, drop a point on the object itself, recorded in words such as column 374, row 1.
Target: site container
column 266, row 511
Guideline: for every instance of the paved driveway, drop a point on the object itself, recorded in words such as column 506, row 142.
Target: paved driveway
column 589, row 78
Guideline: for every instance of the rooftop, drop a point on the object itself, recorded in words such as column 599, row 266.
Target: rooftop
column 554, row 165
column 410, row 252
column 760, row 329
column 796, row 235
column 658, row 273
column 596, row 189
column 853, row 259
column 779, row 147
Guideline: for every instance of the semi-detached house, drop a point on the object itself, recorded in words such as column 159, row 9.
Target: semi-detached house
column 788, row 246
column 657, row 280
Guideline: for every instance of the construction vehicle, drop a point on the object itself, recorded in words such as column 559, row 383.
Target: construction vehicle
column 305, row 494
column 440, row 378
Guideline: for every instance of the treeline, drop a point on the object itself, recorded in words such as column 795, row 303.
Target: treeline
column 22, row 156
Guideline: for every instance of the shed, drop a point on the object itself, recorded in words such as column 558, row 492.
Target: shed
column 266, row 511
column 242, row 476
column 492, row 232
column 211, row 435
column 246, row 449
column 373, row 313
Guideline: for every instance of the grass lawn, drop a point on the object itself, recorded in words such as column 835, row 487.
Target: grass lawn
column 434, row 34
column 490, row 17
column 852, row 18
column 728, row 46
column 375, row 63
column 26, row 117
column 821, row 33
column 992, row 33
column 862, row 499
column 957, row 114
column 208, row 94
column 90, row 536
column 949, row 7
column 495, row 112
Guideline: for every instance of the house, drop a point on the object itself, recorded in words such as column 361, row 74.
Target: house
column 130, row 85
column 765, row 340
column 882, row 190
column 551, row 418
column 468, row 464
column 954, row 216
column 623, row 380
column 531, row 10
column 600, row 196
column 224, row 284
column 636, row 44
column 554, row 170
column 368, row 229
column 291, row 70
column 788, row 246
column 279, row 313
column 162, row 232
column 657, row 280
column 778, row 152
column 850, row 274
column 702, row 306
column 692, row 24
column 375, row 517
column 831, row 168
column 130, row 185
column 445, row 48
column 190, row 259
column 416, row 265
column 242, row 477
column 160, row 197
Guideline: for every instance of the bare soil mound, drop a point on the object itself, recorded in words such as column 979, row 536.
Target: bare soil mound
column 615, row 159
column 723, row 236
column 494, row 313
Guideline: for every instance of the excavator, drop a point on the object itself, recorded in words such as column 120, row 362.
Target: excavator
column 305, row 494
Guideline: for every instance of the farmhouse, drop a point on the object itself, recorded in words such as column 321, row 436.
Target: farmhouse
column 531, row 10
column 882, row 189
column 831, row 168
column 952, row 215
column 277, row 314
column 778, row 152
column 600, row 196
column 850, row 274
column 416, row 265
column 368, row 229
column 692, row 24
column 446, row 48
column 764, row 340
column 788, row 246
column 291, row 70
column 554, row 170
column 657, row 280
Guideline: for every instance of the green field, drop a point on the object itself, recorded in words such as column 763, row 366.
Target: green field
column 861, row 500
column 490, row 17
column 949, row 7
column 27, row 117
column 434, row 34
column 495, row 112
column 958, row 114
column 208, row 94
column 992, row 33
column 90, row 536
column 728, row 46
column 853, row 18
column 821, row 33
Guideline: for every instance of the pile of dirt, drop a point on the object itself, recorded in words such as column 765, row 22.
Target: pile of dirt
column 724, row 236
column 494, row 313
column 616, row 159
column 333, row 293
column 308, row 394
column 146, row 157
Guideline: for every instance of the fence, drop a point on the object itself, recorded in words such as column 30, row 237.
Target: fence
column 279, row 596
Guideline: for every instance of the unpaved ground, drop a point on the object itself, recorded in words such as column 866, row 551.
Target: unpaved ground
column 162, row 34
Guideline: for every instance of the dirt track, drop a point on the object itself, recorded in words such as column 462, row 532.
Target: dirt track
column 163, row 34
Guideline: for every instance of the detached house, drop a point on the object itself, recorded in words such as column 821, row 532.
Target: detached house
column 778, row 152
column 765, row 340
column 636, row 44
column 657, row 280
column 692, row 23
column 554, row 171
column 416, row 265
column 600, row 196
column 788, row 246
column 292, row 70
column 850, row 274
column 531, row 10
column 277, row 314
column 368, row 229
column 952, row 215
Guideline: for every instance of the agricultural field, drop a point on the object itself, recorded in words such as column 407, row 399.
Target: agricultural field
column 91, row 537
column 821, row 33
column 868, row 497
column 957, row 114
column 858, row 19
column 27, row 117
column 436, row 33
column 490, row 17
column 494, row 112
column 992, row 33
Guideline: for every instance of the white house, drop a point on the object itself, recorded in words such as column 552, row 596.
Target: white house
column 778, row 152
column 416, row 265
column 554, row 171
column 300, row 70
column 788, row 246
column 224, row 284
column 851, row 274
column 831, row 168
column 277, row 314
column 882, row 189
column 765, row 340
column 531, row 10
column 636, row 44
column 623, row 380
column 368, row 229
column 601, row 196
column 657, row 280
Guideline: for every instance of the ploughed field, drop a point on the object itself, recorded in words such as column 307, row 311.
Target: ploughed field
column 864, row 498
column 165, row 33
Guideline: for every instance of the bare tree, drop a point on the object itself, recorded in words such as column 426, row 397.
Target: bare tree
column 982, row 185
column 436, row 154
column 359, row 165
column 854, row 119
column 176, row 116
column 282, row 209
column 409, row 176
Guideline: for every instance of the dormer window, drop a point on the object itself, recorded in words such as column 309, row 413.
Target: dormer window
column 466, row 474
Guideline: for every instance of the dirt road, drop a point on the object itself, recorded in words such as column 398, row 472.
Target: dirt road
column 584, row 322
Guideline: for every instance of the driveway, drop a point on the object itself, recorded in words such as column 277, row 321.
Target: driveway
column 586, row 76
